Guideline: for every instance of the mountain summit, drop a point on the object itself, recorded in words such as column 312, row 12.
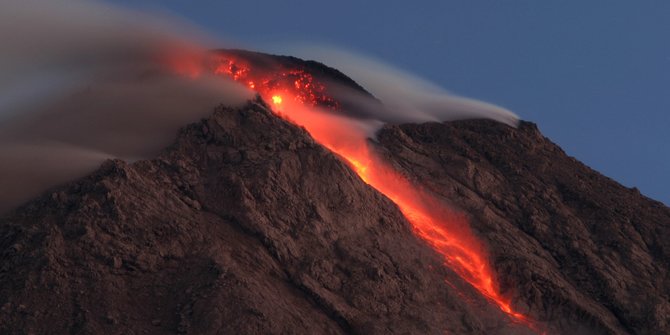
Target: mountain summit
column 249, row 224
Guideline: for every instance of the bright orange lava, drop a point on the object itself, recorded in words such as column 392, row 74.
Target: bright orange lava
column 296, row 96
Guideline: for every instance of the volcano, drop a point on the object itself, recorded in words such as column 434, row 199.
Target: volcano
column 266, row 219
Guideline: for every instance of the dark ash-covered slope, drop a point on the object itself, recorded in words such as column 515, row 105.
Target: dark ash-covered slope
column 577, row 249
column 243, row 226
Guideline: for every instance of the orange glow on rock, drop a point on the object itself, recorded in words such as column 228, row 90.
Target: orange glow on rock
column 446, row 231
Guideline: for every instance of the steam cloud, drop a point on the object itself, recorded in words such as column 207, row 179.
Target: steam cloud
column 82, row 81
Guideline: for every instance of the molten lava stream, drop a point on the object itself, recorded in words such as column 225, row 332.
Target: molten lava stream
column 445, row 231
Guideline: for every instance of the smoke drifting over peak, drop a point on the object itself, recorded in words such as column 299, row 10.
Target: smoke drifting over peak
column 83, row 81
column 406, row 97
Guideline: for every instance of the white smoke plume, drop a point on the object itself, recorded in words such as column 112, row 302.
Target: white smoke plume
column 405, row 97
column 84, row 81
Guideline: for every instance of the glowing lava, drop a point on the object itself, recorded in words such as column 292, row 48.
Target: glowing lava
column 296, row 96
column 276, row 99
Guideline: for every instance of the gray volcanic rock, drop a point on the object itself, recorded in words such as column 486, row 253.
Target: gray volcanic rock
column 244, row 226
column 576, row 249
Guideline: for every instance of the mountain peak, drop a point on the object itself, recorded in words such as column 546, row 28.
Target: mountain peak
column 246, row 224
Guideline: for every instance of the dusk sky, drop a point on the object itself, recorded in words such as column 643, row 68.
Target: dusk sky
column 594, row 75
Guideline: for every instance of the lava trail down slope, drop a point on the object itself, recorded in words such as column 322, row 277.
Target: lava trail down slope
column 296, row 95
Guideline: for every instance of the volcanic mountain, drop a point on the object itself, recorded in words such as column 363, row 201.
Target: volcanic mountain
column 249, row 223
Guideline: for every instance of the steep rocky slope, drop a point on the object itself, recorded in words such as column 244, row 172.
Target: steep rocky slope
column 244, row 225
column 577, row 249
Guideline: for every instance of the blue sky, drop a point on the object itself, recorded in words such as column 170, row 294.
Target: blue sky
column 594, row 75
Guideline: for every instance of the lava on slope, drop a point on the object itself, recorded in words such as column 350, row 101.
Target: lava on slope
column 298, row 84
column 299, row 97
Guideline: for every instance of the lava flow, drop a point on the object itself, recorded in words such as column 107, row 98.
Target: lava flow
column 295, row 96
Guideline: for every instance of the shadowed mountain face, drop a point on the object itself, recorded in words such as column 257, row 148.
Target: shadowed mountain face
column 246, row 225
column 578, row 250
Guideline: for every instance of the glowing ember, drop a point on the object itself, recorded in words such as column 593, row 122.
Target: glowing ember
column 276, row 99
column 445, row 231
column 296, row 83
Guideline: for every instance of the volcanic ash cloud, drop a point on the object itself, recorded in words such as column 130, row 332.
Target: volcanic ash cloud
column 84, row 81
